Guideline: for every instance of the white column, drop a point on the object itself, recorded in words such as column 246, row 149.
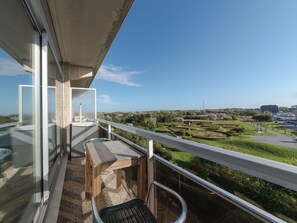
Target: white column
column 109, row 131
column 150, row 172
column 80, row 112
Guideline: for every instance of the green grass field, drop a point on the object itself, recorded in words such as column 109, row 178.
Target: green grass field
column 279, row 128
column 277, row 200
column 181, row 158
column 241, row 143
column 251, row 147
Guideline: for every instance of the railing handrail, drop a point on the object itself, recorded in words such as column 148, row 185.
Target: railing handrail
column 275, row 172
column 8, row 124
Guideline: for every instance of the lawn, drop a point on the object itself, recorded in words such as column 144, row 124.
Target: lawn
column 241, row 143
column 279, row 128
column 244, row 145
column 181, row 158
column 249, row 129
column 276, row 200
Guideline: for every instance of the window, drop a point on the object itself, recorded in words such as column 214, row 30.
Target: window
column 20, row 155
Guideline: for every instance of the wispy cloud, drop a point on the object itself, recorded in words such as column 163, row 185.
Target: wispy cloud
column 105, row 99
column 9, row 67
column 118, row 75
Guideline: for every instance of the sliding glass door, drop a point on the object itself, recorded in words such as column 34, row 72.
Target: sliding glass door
column 20, row 150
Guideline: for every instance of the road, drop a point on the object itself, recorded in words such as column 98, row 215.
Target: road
column 277, row 139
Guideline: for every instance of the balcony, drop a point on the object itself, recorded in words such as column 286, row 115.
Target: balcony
column 206, row 202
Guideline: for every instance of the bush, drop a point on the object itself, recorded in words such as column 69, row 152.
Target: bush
column 262, row 118
column 212, row 127
column 271, row 197
column 238, row 130
column 163, row 152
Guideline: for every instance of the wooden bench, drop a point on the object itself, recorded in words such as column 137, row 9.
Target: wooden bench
column 112, row 155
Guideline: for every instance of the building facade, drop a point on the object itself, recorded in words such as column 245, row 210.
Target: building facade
column 269, row 108
column 46, row 48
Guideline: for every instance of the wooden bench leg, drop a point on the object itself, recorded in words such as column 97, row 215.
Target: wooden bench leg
column 118, row 179
column 88, row 178
column 141, row 187
column 97, row 181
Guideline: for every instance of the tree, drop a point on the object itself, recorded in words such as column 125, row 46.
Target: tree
column 262, row 118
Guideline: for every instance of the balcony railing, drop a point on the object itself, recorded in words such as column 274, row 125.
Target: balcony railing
column 189, row 185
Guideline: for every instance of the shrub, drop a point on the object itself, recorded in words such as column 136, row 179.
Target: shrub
column 212, row 127
column 262, row 118
column 274, row 198
column 238, row 130
column 163, row 152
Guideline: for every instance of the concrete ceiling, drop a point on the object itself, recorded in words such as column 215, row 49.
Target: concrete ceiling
column 84, row 31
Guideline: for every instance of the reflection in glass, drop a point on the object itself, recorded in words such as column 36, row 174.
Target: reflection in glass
column 52, row 125
column 26, row 108
column 19, row 156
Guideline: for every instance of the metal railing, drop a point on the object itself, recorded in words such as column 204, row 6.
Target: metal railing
column 275, row 172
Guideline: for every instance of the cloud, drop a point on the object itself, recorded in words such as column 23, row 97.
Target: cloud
column 9, row 67
column 105, row 99
column 118, row 75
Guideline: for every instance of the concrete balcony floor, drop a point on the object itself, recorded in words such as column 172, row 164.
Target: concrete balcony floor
column 74, row 207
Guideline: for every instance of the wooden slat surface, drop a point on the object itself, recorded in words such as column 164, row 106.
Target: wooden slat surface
column 111, row 151
column 122, row 151
column 100, row 153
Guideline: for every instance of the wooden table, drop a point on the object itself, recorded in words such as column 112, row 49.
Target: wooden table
column 112, row 155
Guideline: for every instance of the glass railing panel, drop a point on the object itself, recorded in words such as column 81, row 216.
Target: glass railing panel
column 167, row 207
column 203, row 204
column 270, row 197
column 140, row 141
column 264, row 199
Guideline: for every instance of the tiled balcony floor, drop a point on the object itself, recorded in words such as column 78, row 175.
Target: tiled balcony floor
column 74, row 207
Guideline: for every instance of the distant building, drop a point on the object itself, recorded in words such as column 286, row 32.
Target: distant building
column 284, row 116
column 269, row 108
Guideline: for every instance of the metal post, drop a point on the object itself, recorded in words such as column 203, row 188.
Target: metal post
column 150, row 172
column 109, row 131
column 21, row 104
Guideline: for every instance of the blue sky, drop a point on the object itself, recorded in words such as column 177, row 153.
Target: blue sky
column 175, row 54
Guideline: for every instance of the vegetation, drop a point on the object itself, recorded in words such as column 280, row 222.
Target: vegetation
column 270, row 197
column 8, row 118
column 262, row 118
column 228, row 129
column 279, row 128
